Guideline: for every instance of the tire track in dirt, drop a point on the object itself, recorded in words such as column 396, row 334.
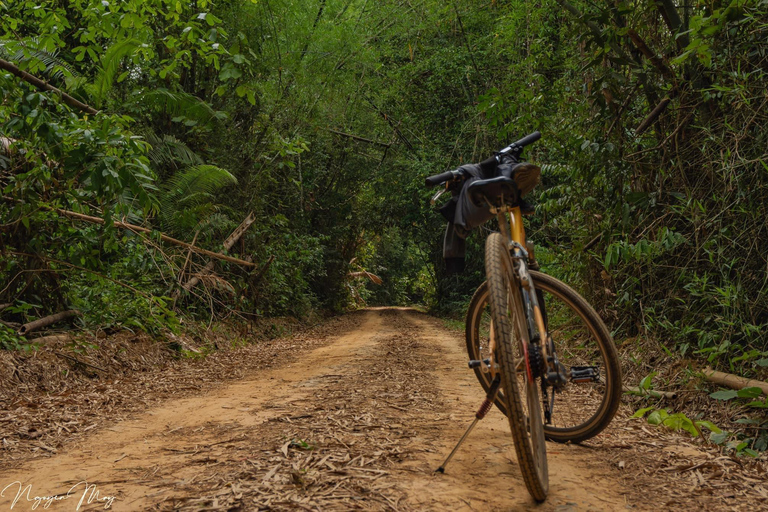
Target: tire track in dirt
column 358, row 424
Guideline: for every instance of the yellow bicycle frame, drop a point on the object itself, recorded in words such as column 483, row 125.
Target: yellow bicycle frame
column 516, row 233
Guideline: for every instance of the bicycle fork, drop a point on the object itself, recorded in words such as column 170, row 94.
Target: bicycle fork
column 480, row 414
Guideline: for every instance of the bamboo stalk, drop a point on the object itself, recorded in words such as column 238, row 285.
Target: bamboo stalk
column 649, row 54
column 46, row 321
column 164, row 238
column 734, row 381
column 655, row 113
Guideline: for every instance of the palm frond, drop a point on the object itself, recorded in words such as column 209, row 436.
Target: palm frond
column 554, row 168
column 54, row 69
column 180, row 104
column 110, row 65
column 170, row 151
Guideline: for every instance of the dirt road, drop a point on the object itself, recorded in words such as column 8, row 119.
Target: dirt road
column 359, row 423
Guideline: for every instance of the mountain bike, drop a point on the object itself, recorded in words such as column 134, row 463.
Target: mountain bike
column 538, row 349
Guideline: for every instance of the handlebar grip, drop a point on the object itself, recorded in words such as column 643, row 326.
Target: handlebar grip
column 489, row 165
column 528, row 139
column 437, row 179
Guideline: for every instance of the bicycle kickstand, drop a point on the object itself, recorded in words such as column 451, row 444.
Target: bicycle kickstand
column 480, row 414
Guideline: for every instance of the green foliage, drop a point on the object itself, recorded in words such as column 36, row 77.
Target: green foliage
column 9, row 340
column 677, row 421
column 188, row 197
column 674, row 217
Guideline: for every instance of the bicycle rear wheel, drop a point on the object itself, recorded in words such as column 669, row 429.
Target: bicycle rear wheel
column 581, row 410
column 520, row 391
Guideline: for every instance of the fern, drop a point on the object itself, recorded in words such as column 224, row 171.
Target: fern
column 187, row 198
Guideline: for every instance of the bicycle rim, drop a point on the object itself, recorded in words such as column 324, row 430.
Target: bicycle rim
column 582, row 410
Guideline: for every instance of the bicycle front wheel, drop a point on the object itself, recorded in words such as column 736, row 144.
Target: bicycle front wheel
column 583, row 409
column 520, row 391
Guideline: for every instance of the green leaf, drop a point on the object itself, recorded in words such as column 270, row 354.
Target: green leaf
column 751, row 452
column 657, row 417
column 646, row 382
column 719, row 437
column 724, row 394
column 709, row 425
column 749, row 392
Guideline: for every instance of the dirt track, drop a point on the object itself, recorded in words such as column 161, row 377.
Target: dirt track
column 359, row 423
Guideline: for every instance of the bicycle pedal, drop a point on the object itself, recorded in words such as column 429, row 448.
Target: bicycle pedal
column 581, row 374
column 476, row 363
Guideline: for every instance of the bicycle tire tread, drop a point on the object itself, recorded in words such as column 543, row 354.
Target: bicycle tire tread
column 495, row 273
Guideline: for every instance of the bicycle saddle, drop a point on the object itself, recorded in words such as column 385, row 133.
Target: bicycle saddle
column 492, row 190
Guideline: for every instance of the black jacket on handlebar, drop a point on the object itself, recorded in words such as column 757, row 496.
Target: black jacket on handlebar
column 463, row 215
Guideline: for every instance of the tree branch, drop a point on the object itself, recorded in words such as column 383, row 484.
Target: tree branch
column 45, row 86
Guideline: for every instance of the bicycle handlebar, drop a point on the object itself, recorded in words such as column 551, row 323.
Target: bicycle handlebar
column 437, row 179
column 489, row 164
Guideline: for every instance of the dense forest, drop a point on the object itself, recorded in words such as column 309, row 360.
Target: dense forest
column 322, row 118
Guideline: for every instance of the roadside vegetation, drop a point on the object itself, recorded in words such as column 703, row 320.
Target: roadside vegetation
column 175, row 119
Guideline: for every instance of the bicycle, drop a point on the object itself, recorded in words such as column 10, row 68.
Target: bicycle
column 526, row 324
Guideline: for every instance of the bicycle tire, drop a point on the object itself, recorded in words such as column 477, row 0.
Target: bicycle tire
column 511, row 335
column 559, row 296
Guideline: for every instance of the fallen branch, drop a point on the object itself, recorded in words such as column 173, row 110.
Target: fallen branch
column 373, row 277
column 54, row 338
column 164, row 238
column 634, row 390
column 732, row 381
column 189, row 255
column 45, row 86
column 228, row 244
column 46, row 321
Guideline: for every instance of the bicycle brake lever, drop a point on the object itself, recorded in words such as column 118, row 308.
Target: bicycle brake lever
column 437, row 196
